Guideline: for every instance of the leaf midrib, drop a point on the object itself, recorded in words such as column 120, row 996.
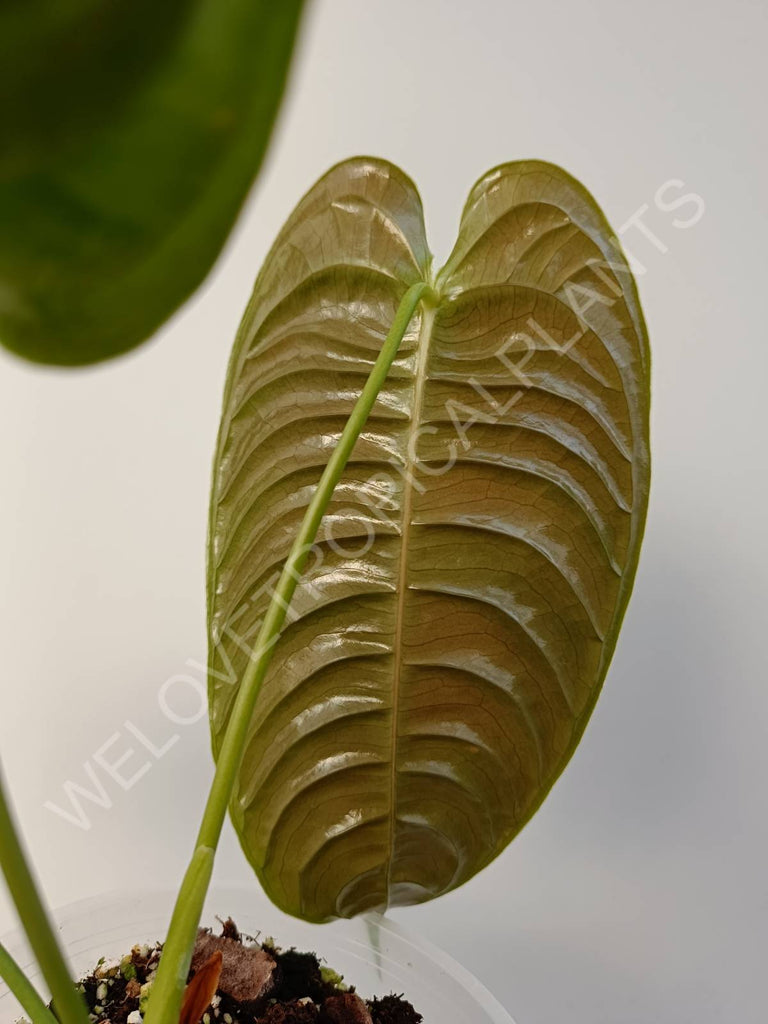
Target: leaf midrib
column 428, row 313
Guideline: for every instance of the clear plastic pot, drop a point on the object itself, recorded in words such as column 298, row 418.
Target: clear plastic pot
column 373, row 953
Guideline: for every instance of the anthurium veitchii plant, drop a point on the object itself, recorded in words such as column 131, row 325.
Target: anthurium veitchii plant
column 429, row 486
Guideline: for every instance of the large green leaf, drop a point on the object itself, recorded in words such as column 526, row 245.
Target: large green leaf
column 132, row 131
column 450, row 638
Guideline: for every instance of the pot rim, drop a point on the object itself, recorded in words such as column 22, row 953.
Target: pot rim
column 373, row 939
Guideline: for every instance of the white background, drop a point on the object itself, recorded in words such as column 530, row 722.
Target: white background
column 638, row 893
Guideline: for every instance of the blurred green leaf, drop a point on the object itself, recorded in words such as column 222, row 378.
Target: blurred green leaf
column 447, row 645
column 132, row 131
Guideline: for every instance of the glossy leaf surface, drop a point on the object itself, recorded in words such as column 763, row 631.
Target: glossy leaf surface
column 132, row 131
column 450, row 638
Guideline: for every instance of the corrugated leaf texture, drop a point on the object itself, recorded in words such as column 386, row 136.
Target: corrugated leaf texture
column 450, row 638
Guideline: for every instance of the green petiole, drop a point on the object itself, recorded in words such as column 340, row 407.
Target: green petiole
column 70, row 1008
column 168, row 988
column 23, row 989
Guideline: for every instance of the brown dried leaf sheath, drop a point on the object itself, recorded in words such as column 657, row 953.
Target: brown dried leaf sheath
column 201, row 990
